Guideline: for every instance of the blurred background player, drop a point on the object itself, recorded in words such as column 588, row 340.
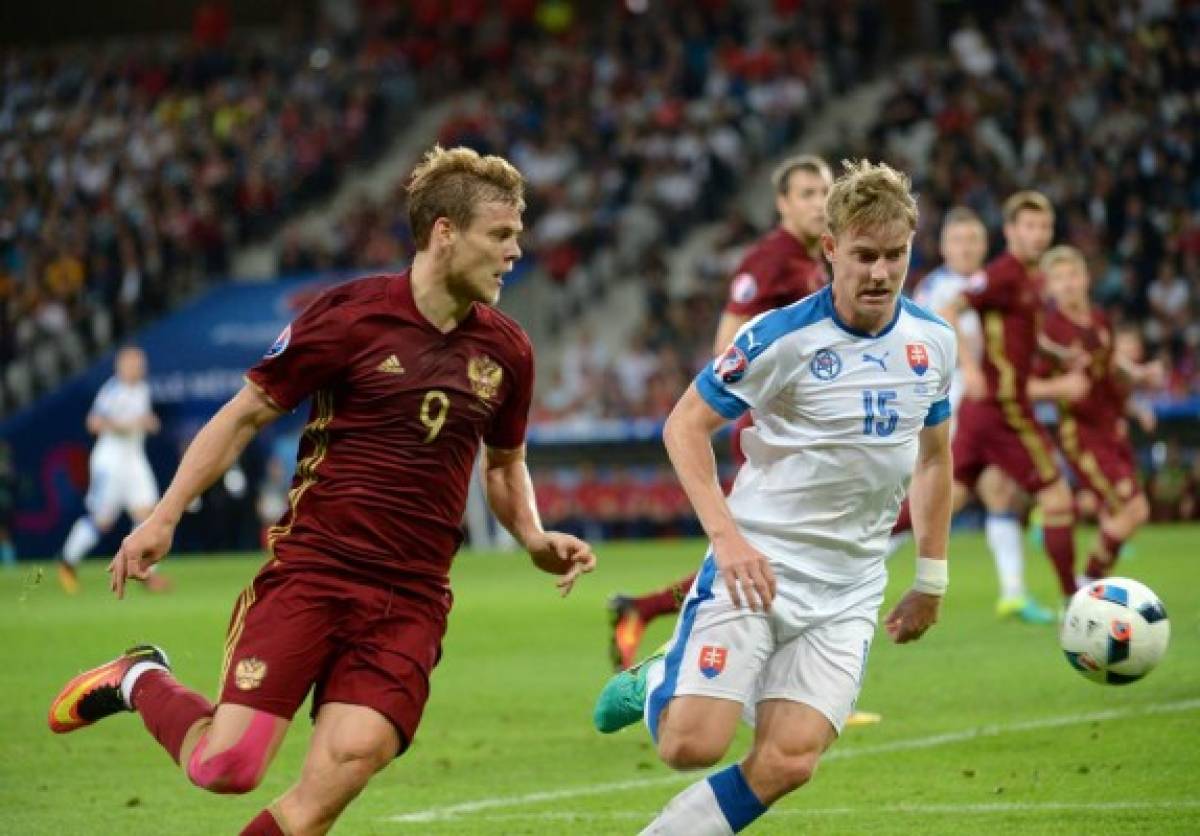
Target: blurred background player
column 782, row 267
column 964, row 250
column 119, row 475
column 996, row 425
column 1092, row 432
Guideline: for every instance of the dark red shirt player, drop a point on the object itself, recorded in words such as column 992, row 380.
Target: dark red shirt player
column 407, row 374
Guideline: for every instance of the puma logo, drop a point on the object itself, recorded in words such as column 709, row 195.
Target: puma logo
column 881, row 360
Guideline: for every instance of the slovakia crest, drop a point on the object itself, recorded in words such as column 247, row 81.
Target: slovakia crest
column 918, row 358
column 744, row 288
column 712, row 660
column 281, row 343
column 826, row 365
column 731, row 366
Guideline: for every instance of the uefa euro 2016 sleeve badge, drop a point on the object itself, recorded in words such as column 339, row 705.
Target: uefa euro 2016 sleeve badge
column 731, row 366
column 826, row 365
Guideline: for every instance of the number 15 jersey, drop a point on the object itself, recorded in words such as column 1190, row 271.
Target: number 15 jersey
column 837, row 413
column 398, row 411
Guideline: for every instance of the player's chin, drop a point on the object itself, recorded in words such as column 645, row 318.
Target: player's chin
column 876, row 299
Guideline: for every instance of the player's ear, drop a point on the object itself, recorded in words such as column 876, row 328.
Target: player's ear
column 444, row 231
column 828, row 246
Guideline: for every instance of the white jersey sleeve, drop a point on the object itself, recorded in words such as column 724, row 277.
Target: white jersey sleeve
column 751, row 372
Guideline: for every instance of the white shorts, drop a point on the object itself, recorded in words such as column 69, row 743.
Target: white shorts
column 120, row 486
column 811, row 648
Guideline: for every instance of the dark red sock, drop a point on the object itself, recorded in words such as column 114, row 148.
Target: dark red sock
column 665, row 601
column 263, row 824
column 1104, row 556
column 168, row 709
column 904, row 521
column 1060, row 547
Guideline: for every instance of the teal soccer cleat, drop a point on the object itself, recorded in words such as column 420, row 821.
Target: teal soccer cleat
column 623, row 700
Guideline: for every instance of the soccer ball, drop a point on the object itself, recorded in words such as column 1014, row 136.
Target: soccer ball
column 1115, row 631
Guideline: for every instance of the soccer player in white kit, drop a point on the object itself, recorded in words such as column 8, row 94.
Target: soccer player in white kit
column 850, row 393
column 119, row 476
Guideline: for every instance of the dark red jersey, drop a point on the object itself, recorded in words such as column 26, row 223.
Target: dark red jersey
column 776, row 271
column 1104, row 407
column 398, row 411
column 1008, row 298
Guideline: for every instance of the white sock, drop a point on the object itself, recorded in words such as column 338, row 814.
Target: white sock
column 694, row 812
column 131, row 677
column 1004, row 539
column 80, row 541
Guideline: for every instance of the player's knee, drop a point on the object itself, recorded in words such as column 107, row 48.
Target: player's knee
column 782, row 771
column 689, row 751
column 237, row 770
column 360, row 756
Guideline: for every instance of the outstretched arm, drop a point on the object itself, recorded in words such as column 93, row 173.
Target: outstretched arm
column 510, row 495
column 688, row 438
column 931, row 497
column 212, row 451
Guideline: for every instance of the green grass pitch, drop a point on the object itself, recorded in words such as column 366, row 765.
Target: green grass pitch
column 986, row 728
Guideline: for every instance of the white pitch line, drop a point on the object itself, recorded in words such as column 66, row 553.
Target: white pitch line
column 452, row 811
column 889, row 809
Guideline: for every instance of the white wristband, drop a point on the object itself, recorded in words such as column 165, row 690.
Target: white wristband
column 933, row 576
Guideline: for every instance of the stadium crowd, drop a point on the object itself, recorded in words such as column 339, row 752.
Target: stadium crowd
column 129, row 171
column 1117, row 156
column 631, row 128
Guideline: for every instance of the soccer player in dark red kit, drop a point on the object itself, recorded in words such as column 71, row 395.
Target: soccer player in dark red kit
column 782, row 267
column 996, row 425
column 407, row 374
column 1092, row 432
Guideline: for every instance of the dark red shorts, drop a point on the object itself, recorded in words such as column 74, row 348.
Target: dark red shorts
column 352, row 642
column 1103, row 462
column 744, row 422
column 1007, row 436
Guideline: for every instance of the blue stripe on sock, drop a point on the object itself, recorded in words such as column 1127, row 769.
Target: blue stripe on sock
column 661, row 695
column 738, row 802
column 1002, row 515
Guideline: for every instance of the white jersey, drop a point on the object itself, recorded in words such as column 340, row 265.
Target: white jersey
column 121, row 402
column 837, row 413
column 935, row 292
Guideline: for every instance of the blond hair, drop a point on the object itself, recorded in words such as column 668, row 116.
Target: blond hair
column 450, row 183
column 1063, row 254
column 811, row 163
column 1028, row 200
column 869, row 195
column 961, row 215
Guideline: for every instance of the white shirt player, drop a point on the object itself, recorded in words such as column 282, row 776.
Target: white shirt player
column 936, row 292
column 837, row 414
column 124, row 404
column 121, row 477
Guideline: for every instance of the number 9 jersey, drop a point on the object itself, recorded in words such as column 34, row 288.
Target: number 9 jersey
column 837, row 413
column 398, row 411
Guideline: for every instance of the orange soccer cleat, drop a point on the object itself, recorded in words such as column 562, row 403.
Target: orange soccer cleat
column 628, row 627
column 95, row 694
